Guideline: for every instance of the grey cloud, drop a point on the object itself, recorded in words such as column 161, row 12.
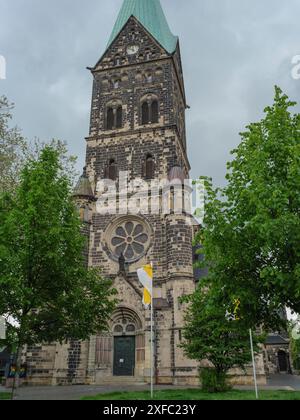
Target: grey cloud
column 233, row 51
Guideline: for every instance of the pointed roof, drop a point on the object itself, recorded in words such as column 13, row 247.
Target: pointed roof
column 83, row 187
column 150, row 14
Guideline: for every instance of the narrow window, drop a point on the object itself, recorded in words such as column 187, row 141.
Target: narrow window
column 154, row 112
column 110, row 119
column 119, row 117
column 116, row 84
column 148, row 54
column 150, row 167
column 112, row 170
column 145, row 113
column 117, row 60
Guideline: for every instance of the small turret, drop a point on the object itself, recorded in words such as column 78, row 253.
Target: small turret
column 83, row 189
column 83, row 196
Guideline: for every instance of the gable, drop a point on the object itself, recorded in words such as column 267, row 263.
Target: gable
column 151, row 15
column 133, row 34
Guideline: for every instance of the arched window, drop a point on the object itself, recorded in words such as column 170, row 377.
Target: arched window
column 139, row 76
column 149, row 78
column 150, row 111
column 112, row 170
column 117, row 83
column 154, row 112
column 150, row 167
column 124, row 77
column 117, row 60
column 145, row 113
column 130, row 328
column 110, row 119
column 114, row 115
column 148, row 54
column 118, row 329
column 119, row 118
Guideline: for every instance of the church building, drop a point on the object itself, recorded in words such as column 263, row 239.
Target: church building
column 137, row 129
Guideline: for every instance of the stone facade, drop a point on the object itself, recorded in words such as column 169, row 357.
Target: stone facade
column 277, row 354
column 121, row 141
column 128, row 81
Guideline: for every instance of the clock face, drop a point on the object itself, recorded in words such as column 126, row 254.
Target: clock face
column 132, row 49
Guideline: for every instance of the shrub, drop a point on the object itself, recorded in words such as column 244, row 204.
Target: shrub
column 214, row 381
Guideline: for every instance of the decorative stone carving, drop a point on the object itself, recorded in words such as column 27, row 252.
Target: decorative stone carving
column 129, row 236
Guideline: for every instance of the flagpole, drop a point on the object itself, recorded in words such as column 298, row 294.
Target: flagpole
column 146, row 278
column 254, row 366
column 151, row 350
column 152, row 344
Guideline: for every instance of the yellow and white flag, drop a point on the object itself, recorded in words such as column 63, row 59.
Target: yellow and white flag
column 145, row 276
column 237, row 304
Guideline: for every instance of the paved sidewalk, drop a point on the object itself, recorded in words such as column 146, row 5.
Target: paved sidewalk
column 292, row 381
column 75, row 392
column 275, row 382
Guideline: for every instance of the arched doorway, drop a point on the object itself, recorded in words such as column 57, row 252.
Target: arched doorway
column 282, row 361
column 127, row 334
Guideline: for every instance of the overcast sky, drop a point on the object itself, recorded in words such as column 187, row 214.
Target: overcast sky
column 233, row 51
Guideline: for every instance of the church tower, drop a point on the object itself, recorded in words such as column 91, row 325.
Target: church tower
column 137, row 139
column 137, row 130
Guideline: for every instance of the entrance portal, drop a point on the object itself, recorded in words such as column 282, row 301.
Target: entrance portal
column 282, row 360
column 124, row 356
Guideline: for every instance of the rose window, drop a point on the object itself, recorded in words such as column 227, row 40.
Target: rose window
column 130, row 238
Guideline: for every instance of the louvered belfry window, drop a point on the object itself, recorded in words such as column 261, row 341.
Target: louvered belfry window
column 150, row 112
column 110, row 119
column 145, row 113
column 119, row 117
column 154, row 112
column 114, row 117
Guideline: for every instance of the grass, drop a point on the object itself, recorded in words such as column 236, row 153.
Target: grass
column 5, row 395
column 196, row 395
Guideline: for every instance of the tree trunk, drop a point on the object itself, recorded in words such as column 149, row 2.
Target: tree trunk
column 16, row 381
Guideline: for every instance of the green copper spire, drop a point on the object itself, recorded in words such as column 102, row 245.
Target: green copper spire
column 150, row 14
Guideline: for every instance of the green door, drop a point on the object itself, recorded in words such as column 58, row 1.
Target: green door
column 124, row 356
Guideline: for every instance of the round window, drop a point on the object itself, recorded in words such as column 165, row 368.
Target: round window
column 130, row 238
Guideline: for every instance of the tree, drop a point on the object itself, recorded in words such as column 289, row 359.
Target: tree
column 15, row 151
column 12, row 148
column 251, row 232
column 45, row 285
column 295, row 344
column 212, row 333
